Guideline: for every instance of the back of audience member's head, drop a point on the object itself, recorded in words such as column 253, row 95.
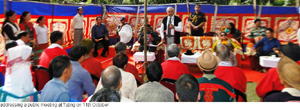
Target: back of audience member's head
column 120, row 47
column 187, row 89
column 120, row 60
column 55, row 36
column 22, row 34
column 88, row 43
column 173, row 50
column 106, row 95
column 154, row 71
column 77, row 52
column 111, row 78
column 223, row 52
column 58, row 65
column 10, row 44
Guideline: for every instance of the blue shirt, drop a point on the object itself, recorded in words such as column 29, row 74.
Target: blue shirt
column 79, row 82
column 55, row 91
column 99, row 31
column 267, row 44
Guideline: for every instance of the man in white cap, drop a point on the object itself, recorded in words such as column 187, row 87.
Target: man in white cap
column 289, row 72
column 212, row 88
column 77, row 26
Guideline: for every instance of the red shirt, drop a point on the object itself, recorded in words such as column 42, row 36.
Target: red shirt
column 93, row 66
column 173, row 69
column 269, row 83
column 131, row 69
column 50, row 53
column 232, row 75
column 30, row 25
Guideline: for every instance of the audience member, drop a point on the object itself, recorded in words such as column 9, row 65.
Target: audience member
column 55, row 49
column 128, row 81
column 187, row 89
column 92, row 65
column 8, row 45
column 153, row 91
column 81, row 80
column 56, row 89
column 23, row 38
column 18, row 79
column 225, row 71
column 209, row 83
column 173, row 68
column 106, row 95
column 121, row 47
column 289, row 72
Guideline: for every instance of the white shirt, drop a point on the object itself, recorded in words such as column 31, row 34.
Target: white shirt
column 298, row 36
column 293, row 91
column 174, row 58
column 54, row 45
column 129, row 85
column 42, row 34
column 177, row 28
column 20, row 42
column 77, row 22
column 225, row 63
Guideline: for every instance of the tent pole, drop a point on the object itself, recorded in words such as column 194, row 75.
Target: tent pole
column 145, row 35
column 136, row 23
column 254, row 6
column 297, row 3
column 5, row 6
column 215, row 17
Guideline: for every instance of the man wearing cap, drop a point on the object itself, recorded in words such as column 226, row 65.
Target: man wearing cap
column 77, row 26
column 213, row 88
column 92, row 65
column 119, row 28
column 289, row 72
column 196, row 21
column 227, row 72
column 173, row 68
column 258, row 30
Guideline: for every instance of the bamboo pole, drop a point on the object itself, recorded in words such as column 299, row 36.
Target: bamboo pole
column 188, row 7
column 145, row 35
column 254, row 6
column 4, row 6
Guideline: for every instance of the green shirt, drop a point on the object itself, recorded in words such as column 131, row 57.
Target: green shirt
column 256, row 32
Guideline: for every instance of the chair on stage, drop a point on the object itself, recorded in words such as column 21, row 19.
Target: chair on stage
column 4, row 94
column 42, row 76
column 254, row 60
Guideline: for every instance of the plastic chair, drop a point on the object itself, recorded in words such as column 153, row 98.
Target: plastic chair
column 170, row 84
column 4, row 94
column 42, row 76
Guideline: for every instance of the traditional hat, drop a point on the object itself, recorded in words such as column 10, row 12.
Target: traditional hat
column 289, row 71
column 88, row 43
column 207, row 61
column 123, row 18
column 189, row 52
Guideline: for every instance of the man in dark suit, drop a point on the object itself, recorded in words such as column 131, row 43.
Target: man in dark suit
column 152, row 39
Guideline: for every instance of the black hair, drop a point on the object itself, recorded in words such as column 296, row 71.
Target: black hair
column 120, row 47
column 120, row 60
column 22, row 34
column 79, row 8
column 148, row 25
column 233, row 29
column 7, row 15
column 77, row 52
column 9, row 44
column 40, row 19
column 111, row 78
column 197, row 5
column 55, row 36
column 224, row 33
column 58, row 65
column 256, row 20
column 24, row 14
column 154, row 71
column 106, row 95
column 269, row 29
column 98, row 17
column 187, row 88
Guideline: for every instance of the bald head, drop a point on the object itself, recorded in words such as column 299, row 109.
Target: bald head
column 111, row 77
column 170, row 11
column 223, row 52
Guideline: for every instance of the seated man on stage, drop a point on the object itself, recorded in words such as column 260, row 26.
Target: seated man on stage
column 152, row 39
column 142, row 28
column 258, row 30
column 100, row 34
column 269, row 44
